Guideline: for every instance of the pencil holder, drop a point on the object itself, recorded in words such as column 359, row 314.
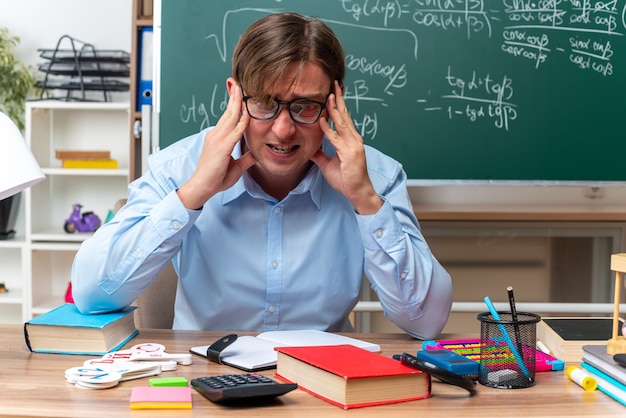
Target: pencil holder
column 507, row 354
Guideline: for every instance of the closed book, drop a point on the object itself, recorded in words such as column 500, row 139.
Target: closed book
column 90, row 163
column 82, row 155
column 565, row 336
column 597, row 356
column 607, row 384
column 349, row 376
column 160, row 397
column 65, row 330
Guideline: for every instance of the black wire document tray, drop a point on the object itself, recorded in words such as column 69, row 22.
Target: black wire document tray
column 98, row 55
column 86, row 69
column 86, row 84
column 81, row 68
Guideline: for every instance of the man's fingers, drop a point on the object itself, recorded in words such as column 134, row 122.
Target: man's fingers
column 320, row 159
column 332, row 136
column 246, row 161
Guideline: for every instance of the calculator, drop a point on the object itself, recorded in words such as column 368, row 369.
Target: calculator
column 240, row 387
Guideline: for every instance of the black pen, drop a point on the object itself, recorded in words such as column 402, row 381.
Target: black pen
column 518, row 337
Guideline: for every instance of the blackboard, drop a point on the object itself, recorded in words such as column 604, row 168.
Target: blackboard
column 520, row 90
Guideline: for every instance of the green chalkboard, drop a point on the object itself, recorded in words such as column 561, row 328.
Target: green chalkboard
column 514, row 90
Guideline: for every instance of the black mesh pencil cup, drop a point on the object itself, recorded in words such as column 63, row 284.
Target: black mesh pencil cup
column 507, row 354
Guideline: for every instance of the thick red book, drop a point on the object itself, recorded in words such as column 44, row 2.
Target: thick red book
column 351, row 377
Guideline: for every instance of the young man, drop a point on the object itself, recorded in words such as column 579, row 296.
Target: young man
column 272, row 217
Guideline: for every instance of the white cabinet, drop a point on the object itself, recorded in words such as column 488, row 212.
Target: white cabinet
column 12, row 274
column 36, row 264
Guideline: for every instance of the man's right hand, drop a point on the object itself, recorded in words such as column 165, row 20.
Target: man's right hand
column 217, row 170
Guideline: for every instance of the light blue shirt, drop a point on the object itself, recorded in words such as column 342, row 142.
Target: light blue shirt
column 249, row 262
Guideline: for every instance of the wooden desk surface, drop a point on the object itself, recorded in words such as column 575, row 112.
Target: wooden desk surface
column 33, row 384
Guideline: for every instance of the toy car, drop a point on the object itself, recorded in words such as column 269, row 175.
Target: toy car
column 85, row 222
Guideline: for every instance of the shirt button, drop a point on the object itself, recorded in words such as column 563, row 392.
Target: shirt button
column 271, row 309
column 379, row 233
column 277, row 210
column 403, row 275
column 175, row 225
column 139, row 255
column 274, row 264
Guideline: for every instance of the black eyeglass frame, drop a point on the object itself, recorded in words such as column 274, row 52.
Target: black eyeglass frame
column 288, row 103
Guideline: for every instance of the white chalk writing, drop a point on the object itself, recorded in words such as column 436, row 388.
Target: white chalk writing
column 584, row 36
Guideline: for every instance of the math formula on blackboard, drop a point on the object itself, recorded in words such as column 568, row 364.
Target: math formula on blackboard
column 473, row 89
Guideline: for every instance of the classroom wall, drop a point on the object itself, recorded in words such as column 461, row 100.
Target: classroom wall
column 40, row 24
column 107, row 25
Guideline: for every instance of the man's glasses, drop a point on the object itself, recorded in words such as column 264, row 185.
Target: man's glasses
column 305, row 111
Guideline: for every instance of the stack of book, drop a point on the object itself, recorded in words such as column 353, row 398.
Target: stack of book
column 565, row 336
column 610, row 375
column 86, row 159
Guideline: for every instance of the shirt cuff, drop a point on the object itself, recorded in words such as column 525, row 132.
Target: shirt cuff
column 172, row 214
column 380, row 230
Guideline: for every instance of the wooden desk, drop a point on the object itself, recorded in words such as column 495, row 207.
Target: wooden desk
column 34, row 385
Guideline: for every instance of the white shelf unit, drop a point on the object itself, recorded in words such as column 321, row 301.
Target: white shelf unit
column 35, row 265
column 12, row 259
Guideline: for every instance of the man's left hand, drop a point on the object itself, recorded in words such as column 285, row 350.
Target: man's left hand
column 346, row 171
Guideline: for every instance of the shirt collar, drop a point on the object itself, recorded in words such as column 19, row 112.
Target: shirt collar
column 311, row 183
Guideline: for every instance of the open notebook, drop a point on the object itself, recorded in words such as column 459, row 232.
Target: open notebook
column 252, row 353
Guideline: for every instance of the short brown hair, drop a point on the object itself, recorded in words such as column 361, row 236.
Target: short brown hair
column 273, row 43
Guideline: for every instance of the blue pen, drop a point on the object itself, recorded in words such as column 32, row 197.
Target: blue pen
column 516, row 354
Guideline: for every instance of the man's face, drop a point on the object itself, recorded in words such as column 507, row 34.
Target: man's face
column 281, row 146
